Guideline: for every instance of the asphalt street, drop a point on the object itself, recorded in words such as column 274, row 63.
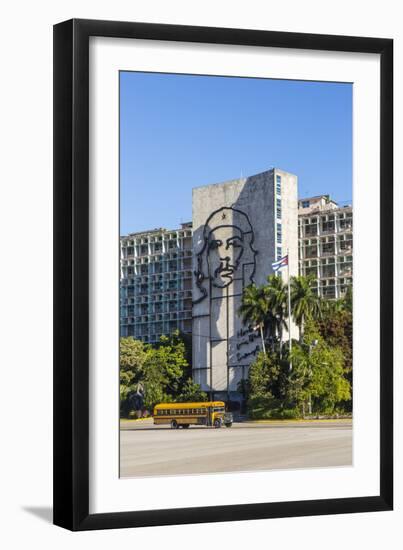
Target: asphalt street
column 147, row 450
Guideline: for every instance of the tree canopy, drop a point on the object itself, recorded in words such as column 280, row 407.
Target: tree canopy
column 321, row 375
column 155, row 374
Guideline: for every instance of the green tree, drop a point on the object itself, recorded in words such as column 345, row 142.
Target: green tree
column 132, row 359
column 277, row 297
column 191, row 391
column 254, row 309
column 318, row 374
column 259, row 396
column 348, row 299
column 165, row 370
column 170, row 356
column 305, row 302
column 328, row 386
column 336, row 327
column 268, row 388
column 317, row 381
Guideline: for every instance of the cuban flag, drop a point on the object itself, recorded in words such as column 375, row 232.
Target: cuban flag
column 280, row 263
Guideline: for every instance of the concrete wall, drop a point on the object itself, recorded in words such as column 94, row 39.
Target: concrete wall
column 234, row 244
column 289, row 218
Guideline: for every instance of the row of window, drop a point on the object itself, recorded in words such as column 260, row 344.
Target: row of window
column 153, row 318
column 326, row 225
column 142, row 332
column 279, row 233
column 183, row 295
column 128, row 256
column 143, row 309
column 327, row 261
column 278, row 208
column 158, row 238
column 145, row 276
column 278, row 185
column 181, row 412
column 329, row 217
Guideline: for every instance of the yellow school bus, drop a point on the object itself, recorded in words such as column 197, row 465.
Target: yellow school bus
column 182, row 415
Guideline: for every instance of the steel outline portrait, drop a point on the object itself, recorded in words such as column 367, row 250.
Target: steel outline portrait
column 219, row 270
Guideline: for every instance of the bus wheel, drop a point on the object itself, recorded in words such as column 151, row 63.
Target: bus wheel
column 185, row 425
column 174, row 424
column 217, row 423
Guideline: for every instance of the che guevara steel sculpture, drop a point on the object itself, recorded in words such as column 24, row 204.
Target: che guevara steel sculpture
column 225, row 264
column 227, row 248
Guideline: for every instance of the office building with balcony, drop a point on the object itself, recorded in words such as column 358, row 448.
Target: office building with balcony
column 325, row 231
column 156, row 283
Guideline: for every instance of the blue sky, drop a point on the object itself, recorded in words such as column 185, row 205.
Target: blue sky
column 182, row 131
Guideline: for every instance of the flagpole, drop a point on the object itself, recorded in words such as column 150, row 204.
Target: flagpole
column 289, row 308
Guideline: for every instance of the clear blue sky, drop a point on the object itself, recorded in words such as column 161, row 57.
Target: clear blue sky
column 182, row 131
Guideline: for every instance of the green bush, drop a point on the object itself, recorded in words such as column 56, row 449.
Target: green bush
column 274, row 414
column 285, row 414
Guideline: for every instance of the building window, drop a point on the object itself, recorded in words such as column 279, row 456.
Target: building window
column 311, row 248
column 311, row 226
column 345, row 265
column 345, row 223
column 328, row 247
column 328, row 269
column 279, row 233
column 311, row 268
column 345, row 243
column 278, row 208
column 305, row 204
column 278, row 185
column 328, row 224
column 279, row 253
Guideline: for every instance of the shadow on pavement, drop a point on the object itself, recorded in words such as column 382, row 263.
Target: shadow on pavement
column 45, row 513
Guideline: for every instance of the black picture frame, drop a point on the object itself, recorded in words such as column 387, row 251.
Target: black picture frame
column 71, row 274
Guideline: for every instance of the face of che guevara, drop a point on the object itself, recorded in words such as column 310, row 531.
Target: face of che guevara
column 225, row 248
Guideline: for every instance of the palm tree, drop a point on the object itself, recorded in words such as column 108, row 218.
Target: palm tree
column 305, row 302
column 276, row 293
column 332, row 306
column 254, row 309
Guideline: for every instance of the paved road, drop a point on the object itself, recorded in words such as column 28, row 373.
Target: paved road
column 146, row 449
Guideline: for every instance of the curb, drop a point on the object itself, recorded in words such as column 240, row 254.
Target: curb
column 300, row 421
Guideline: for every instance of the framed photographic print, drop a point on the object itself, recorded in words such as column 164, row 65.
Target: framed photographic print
column 223, row 237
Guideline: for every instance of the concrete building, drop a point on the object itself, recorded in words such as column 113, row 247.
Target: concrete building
column 325, row 231
column 156, row 283
column 239, row 228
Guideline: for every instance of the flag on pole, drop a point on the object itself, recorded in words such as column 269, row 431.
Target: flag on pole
column 280, row 263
